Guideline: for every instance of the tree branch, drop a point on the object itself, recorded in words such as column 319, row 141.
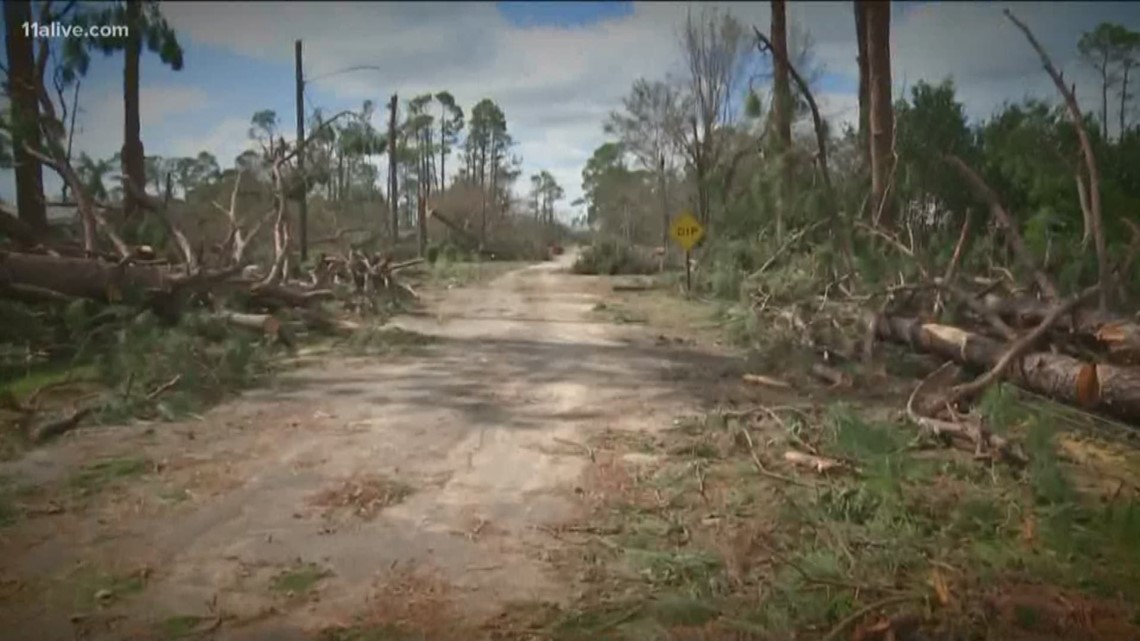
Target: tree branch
column 1013, row 236
column 1094, row 213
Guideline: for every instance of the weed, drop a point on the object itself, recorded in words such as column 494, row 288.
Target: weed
column 299, row 579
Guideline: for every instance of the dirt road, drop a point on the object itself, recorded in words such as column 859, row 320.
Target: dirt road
column 295, row 508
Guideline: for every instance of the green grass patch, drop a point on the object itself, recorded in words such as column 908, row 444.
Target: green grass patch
column 45, row 375
column 382, row 632
column 94, row 588
column 299, row 579
column 179, row 626
column 376, row 341
column 97, row 476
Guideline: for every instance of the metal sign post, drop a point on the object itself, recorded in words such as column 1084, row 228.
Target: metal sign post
column 687, row 232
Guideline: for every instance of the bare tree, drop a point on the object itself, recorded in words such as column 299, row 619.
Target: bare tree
column 714, row 47
column 644, row 128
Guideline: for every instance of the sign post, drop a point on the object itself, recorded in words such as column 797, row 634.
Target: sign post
column 687, row 232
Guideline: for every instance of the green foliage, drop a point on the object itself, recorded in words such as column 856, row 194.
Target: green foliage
column 141, row 355
column 147, row 27
column 612, row 257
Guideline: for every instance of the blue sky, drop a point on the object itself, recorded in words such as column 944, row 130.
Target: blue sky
column 556, row 68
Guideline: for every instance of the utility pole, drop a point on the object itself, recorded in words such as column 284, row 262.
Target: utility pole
column 393, row 196
column 302, row 202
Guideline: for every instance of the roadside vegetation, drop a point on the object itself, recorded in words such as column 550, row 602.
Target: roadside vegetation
column 871, row 477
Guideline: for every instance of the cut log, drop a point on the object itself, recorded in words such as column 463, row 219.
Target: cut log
column 1119, row 337
column 260, row 322
column 1111, row 389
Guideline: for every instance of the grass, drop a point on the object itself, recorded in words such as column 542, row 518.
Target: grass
column 620, row 314
column 45, row 375
column 458, row 273
column 97, row 476
column 376, row 341
column 679, row 550
column 300, row 579
column 93, row 588
column 179, row 626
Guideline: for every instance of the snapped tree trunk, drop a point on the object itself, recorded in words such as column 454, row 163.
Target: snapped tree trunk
column 878, row 15
column 24, row 117
column 782, row 108
column 393, row 191
column 133, row 157
column 864, row 81
column 1106, row 388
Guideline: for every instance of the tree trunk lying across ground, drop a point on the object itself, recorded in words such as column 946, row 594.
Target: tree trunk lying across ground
column 1110, row 389
column 60, row 276
column 1119, row 337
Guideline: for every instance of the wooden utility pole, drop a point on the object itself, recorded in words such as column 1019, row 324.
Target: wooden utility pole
column 393, row 196
column 302, row 198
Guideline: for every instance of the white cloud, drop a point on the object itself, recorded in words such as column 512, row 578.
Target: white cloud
column 99, row 127
column 227, row 140
column 556, row 85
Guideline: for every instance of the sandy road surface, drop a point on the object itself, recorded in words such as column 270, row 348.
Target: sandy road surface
column 477, row 427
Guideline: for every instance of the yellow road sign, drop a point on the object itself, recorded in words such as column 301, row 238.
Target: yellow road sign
column 686, row 230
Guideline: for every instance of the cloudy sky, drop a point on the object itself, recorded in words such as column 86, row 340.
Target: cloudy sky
column 556, row 68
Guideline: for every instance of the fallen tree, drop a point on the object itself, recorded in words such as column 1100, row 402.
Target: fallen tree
column 1118, row 337
column 1111, row 389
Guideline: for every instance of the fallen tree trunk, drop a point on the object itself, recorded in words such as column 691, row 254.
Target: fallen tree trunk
column 84, row 278
column 447, row 222
column 1119, row 337
column 1110, row 389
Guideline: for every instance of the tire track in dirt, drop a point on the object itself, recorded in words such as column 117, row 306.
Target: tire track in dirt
column 471, row 427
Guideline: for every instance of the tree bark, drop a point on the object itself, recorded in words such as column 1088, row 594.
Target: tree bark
column 133, row 156
column 393, row 191
column 24, row 116
column 1119, row 337
column 82, row 277
column 1124, row 98
column 878, row 15
column 1107, row 388
column 1104, row 98
column 864, row 82
column 782, row 108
